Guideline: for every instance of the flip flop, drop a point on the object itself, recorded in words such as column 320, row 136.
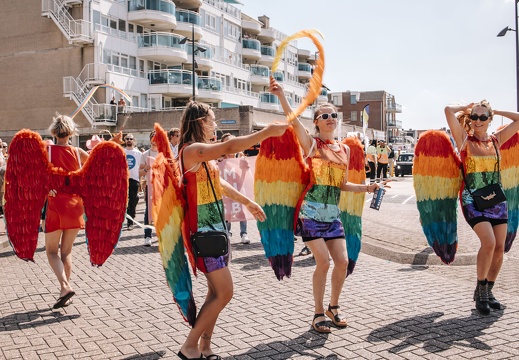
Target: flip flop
column 184, row 357
column 213, row 357
column 63, row 300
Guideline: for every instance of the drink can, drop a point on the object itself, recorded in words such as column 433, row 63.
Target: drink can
column 378, row 195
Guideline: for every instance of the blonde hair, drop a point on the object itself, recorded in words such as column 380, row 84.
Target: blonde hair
column 62, row 126
column 319, row 110
column 464, row 118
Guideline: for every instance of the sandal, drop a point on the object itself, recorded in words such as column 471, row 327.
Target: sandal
column 337, row 319
column 321, row 324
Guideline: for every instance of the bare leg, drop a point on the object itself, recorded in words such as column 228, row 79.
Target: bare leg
column 51, row 248
column 220, row 291
column 322, row 262
column 499, row 250
column 486, row 236
column 67, row 242
column 337, row 249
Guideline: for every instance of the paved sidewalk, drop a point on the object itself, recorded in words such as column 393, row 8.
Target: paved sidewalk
column 124, row 309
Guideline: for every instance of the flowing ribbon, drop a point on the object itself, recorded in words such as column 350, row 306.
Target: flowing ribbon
column 316, row 82
column 91, row 93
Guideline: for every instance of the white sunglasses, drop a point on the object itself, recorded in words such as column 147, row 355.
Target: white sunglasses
column 325, row 116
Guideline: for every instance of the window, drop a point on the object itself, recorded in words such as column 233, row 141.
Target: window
column 113, row 24
column 122, row 25
column 353, row 116
column 130, row 28
column 353, row 99
column 96, row 17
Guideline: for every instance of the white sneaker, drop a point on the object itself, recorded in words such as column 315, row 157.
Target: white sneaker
column 147, row 241
column 245, row 239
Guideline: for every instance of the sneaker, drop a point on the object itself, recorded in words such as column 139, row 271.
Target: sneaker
column 245, row 239
column 147, row 241
column 130, row 227
column 305, row 251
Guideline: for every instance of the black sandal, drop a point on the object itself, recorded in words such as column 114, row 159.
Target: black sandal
column 317, row 326
column 337, row 319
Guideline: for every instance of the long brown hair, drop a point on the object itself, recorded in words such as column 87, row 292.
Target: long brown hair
column 191, row 130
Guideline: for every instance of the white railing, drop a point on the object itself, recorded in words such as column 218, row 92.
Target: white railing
column 74, row 30
column 93, row 72
column 75, row 91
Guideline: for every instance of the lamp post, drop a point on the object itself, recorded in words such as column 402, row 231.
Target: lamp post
column 193, row 52
column 503, row 33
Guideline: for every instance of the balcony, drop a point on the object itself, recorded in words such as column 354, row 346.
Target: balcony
column 395, row 123
column 267, row 35
column 259, row 75
column 303, row 54
column 156, row 14
column 251, row 51
column 267, row 55
column 251, row 26
column 172, row 82
column 393, row 108
column 279, row 76
column 203, row 60
column 191, row 4
column 209, row 89
column 304, row 71
column 323, row 96
column 268, row 101
column 104, row 114
column 186, row 20
column 162, row 47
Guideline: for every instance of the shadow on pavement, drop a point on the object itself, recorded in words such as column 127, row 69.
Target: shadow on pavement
column 148, row 356
column 421, row 257
column 137, row 249
column 32, row 319
column 288, row 348
column 436, row 336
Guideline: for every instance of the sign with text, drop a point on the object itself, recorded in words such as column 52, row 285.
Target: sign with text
column 239, row 172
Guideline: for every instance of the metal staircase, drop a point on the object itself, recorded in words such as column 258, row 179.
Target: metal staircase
column 76, row 31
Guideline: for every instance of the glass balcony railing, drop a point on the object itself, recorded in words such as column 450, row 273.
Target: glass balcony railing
column 278, row 76
column 187, row 16
column 208, row 53
column 260, row 70
column 266, row 97
column 251, row 44
column 162, row 40
column 268, row 50
column 209, row 83
column 304, row 67
column 159, row 5
column 171, row 76
column 324, row 92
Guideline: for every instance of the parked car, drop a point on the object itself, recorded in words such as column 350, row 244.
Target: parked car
column 404, row 164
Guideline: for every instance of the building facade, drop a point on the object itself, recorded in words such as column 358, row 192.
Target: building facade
column 159, row 52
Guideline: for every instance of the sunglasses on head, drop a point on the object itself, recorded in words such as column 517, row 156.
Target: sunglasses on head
column 325, row 116
column 482, row 117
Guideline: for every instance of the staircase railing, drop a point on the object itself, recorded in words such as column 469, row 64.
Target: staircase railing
column 74, row 30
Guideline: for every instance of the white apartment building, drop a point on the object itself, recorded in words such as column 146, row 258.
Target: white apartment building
column 144, row 47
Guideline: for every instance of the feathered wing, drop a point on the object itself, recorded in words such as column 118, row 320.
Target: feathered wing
column 437, row 182
column 102, row 182
column 27, row 184
column 279, row 181
column 510, row 181
column 168, row 215
column 351, row 204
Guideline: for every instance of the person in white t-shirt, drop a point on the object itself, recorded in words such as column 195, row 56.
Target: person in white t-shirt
column 147, row 160
column 133, row 157
column 174, row 139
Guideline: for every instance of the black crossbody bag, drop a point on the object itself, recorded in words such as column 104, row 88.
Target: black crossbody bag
column 211, row 243
column 490, row 195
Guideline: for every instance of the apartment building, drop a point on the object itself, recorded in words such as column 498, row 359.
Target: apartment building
column 160, row 52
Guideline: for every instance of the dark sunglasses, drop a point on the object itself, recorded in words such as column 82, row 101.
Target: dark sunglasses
column 480, row 117
column 128, row 139
column 325, row 116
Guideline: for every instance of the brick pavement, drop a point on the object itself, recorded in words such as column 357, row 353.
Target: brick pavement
column 124, row 309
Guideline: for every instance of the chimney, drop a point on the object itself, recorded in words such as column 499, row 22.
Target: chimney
column 265, row 20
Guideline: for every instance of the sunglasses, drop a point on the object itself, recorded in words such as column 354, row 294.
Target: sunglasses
column 479, row 117
column 325, row 116
column 128, row 139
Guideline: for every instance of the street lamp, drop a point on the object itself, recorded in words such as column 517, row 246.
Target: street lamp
column 503, row 33
column 193, row 52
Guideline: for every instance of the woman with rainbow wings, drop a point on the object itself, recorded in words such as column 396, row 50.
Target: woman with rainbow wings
column 318, row 215
column 485, row 160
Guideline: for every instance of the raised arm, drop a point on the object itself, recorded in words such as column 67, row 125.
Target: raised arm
column 304, row 138
column 457, row 131
column 508, row 131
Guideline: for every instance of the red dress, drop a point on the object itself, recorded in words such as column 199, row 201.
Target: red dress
column 64, row 211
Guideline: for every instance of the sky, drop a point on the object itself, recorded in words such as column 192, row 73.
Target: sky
column 428, row 54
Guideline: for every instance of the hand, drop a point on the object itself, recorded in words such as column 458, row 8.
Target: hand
column 257, row 211
column 275, row 88
column 276, row 129
column 53, row 193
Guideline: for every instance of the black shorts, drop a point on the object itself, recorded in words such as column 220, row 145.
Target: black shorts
column 494, row 222
column 310, row 238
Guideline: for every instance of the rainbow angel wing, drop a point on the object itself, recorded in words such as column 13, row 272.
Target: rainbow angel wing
column 351, row 204
column 437, row 182
column 279, row 181
column 168, row 215
column 102, row 183
column 509, row 179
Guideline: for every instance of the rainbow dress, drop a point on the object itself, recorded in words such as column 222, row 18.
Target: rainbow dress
column 318, row 213
column 205, row 216
column 480, row 164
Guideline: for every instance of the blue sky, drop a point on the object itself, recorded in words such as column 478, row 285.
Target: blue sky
column 426, row 53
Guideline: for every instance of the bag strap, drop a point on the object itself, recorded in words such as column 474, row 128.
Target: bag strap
column 215, row 198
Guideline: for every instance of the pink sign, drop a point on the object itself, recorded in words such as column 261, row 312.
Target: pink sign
column 239, row 172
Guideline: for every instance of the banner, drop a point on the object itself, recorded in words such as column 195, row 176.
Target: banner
column 365, row 119
column 239, row 172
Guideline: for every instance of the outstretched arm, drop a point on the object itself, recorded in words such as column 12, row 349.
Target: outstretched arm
column 508, row 131
column 232, row 193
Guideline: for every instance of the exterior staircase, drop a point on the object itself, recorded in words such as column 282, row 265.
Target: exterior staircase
column 77, row 32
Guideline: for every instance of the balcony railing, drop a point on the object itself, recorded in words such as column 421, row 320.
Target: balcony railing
column 187, row 16
column 266, row 97
column 158, row 5
column 278, row 76
column 260, row 70
column 209, row 83
column 268, row 50
column 161, row 40
column 208, row 53
column 251, row 44
column 393, row 107
column 304, row 67
column 171, row 76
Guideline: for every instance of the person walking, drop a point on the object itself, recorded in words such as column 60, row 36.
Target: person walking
column 391, row 158
column 63, row 212
column 480, row 159
column 196, row 157
column 133, row 157
column 382, row 160
column 318, row 217
column 147, row 159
